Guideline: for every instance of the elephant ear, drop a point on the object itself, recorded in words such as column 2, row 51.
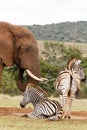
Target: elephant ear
column 6, row 53
column 20, row 32
column 6, row 46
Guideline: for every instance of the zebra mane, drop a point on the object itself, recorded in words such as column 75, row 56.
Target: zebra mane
column 71, row 63
column 37, row 88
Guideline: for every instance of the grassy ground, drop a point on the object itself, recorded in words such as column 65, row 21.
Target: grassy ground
column 19, row 123
column 11, row 122
column 7, row 101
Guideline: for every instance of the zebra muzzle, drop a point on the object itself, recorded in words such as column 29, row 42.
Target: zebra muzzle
column 84, row 79
column 22, row 105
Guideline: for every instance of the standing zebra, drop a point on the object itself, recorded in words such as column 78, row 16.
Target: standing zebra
column 43, row 107
column 68, row 84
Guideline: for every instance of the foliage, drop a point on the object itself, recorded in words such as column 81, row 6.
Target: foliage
column 8, row 85
column 56, row 55
column 84, row 86
column 49, row 71
column 72, row 52
column 53, row 60
column 65, row 31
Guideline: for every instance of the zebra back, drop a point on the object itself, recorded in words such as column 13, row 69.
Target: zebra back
column 62, row 75
column 74, row 73
column 37, row 94
column 37, row 88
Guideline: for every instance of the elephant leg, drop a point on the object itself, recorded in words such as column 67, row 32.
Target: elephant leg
column 1, row 68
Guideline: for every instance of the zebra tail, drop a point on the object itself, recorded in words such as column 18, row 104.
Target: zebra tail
column 69, row 93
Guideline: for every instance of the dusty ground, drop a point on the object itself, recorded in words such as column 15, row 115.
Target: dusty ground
column 10, row 111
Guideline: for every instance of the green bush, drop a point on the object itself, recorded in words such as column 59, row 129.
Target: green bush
column 8, row 85
column 49, row 71
column 53, row 60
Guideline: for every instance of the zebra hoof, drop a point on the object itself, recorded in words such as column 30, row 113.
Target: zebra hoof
column 69, row 117
column 22, row 105
column 65, row 117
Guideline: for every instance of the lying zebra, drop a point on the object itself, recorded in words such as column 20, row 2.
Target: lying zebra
column 43, row 107
column 68, row 84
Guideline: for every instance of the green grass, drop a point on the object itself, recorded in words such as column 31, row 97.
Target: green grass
column 11, row 122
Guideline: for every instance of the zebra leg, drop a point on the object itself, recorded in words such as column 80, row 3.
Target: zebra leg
column 55, row 117
column 65, row 108
column 33, row 114
column 70, row 105
column 69, row 108
column 61, row 100
column 36, row 113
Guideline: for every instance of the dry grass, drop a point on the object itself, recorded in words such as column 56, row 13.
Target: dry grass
column 81, row 46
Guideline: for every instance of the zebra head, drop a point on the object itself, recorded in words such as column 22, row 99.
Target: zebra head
column 79, row 69
column 26, row 98
column 75, row 65
column 33, row 94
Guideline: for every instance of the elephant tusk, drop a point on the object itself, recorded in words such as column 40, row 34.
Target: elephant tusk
column 34, row 77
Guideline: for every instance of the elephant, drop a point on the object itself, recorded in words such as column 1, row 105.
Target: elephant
column 19, row 46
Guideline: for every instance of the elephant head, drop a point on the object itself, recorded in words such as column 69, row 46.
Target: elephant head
column 19, row 46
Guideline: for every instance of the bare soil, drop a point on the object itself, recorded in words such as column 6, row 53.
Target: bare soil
column 11, row 110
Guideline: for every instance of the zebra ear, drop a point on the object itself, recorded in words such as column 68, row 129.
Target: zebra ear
column 27, row 87
column 78, row 62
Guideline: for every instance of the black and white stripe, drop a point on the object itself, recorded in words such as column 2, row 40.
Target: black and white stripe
column 47, row 109
column 68, row 84
column 43, row 107
column 33, row 94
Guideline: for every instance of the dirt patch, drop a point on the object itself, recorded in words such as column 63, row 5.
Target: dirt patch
column 79, row 113
column 11, row 110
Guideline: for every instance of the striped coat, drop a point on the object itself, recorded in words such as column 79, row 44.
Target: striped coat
column 68, row 84
column 33, row 94
column 43, row 107
column 47, row 108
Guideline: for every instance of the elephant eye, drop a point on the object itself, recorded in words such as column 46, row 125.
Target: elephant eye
column 27, row 49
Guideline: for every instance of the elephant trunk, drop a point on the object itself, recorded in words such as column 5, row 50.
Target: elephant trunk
column 23, row 84
column 31, row 78
column 20, row 84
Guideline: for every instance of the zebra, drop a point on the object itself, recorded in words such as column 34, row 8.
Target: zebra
column 33, row 94
column 50, row 109
column 43, row 107
column 68, row 84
